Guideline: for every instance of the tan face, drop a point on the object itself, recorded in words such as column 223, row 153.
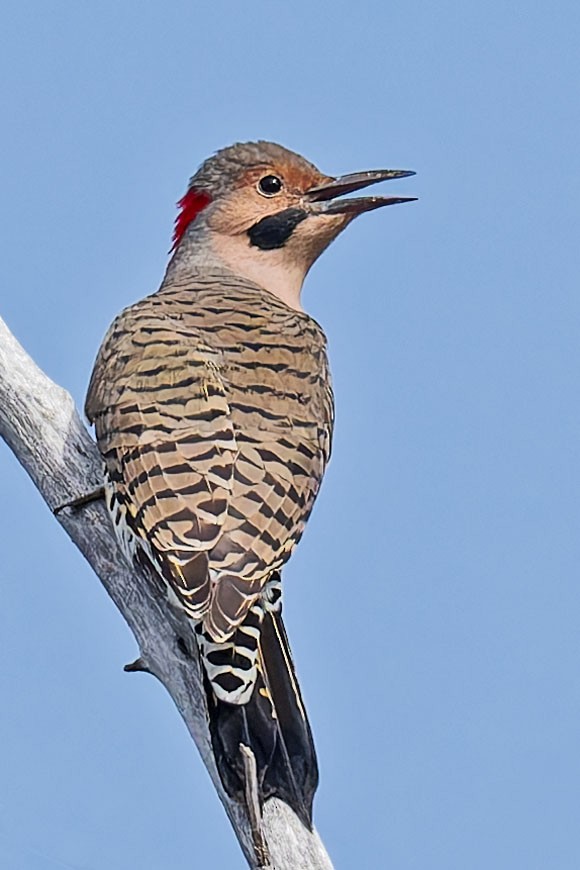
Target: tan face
column 266, row 226
column 254, row 196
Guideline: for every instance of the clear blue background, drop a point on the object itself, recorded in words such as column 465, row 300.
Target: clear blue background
column 433, row 605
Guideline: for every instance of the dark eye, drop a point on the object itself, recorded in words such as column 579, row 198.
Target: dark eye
column 270, row 185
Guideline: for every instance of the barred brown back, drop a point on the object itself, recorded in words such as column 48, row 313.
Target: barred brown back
column 213, row 410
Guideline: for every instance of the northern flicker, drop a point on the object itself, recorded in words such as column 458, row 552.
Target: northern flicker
column 213, row 410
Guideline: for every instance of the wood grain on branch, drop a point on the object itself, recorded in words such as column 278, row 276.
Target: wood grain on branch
column 39, row 422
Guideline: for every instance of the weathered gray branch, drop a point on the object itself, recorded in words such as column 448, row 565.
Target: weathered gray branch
column 39, row 422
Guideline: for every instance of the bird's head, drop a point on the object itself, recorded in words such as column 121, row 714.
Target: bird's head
column 267, row 214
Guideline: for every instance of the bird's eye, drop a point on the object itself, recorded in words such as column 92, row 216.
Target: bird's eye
column 270, row 185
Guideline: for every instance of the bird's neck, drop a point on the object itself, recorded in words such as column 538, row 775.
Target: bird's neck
column 201, row 250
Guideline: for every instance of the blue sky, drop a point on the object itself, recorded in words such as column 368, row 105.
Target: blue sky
column 433, row 604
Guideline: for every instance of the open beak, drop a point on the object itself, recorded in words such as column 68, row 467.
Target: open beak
column 324, row 201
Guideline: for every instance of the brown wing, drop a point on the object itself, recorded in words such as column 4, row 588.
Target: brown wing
column 276, row 480
column 163, row 426
column 218, row 457
column 282, row 408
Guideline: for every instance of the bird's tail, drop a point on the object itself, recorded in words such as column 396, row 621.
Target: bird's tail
column 272, row 722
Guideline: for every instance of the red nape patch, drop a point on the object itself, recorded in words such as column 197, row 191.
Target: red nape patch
column 189, row 207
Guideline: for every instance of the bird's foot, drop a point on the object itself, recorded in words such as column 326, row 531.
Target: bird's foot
column 81, row 500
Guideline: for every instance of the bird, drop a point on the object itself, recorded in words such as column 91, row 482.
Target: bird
column 213, row 411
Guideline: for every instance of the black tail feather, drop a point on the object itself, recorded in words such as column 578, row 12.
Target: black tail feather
column 276, row 730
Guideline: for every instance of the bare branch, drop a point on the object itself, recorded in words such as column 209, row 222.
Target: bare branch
column 39, row 422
